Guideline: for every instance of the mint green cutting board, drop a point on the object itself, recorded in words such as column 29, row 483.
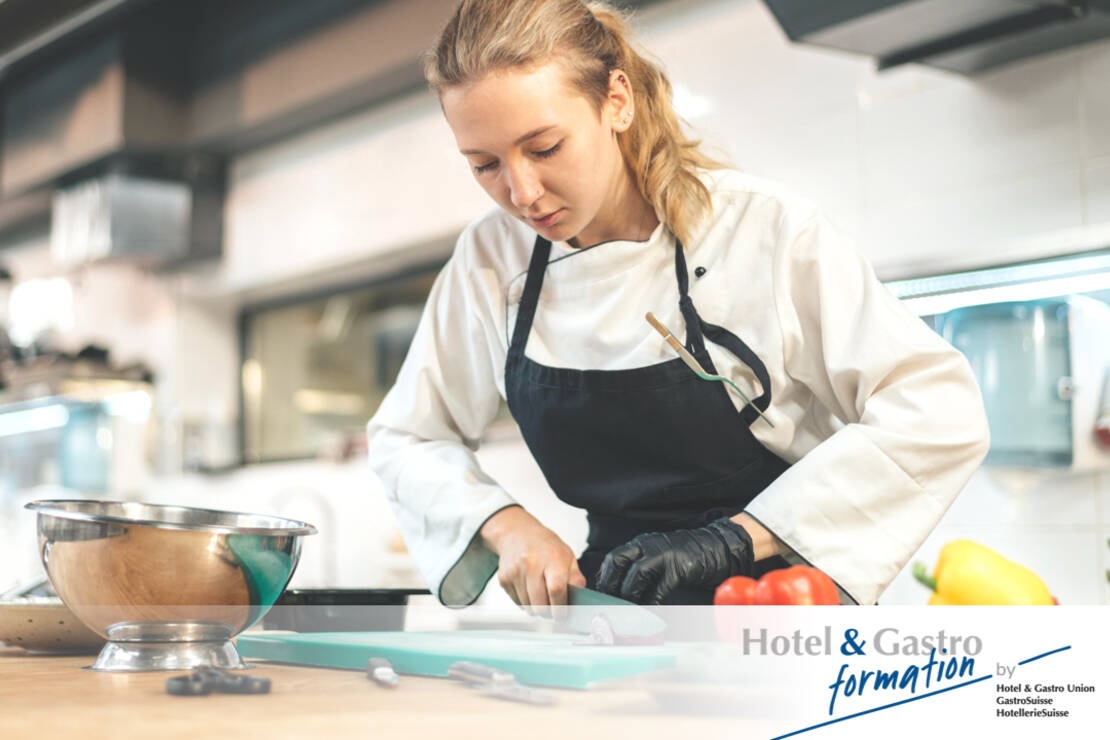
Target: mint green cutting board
column 534, row 658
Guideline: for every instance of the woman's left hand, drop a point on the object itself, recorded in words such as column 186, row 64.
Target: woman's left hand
column 648, row 568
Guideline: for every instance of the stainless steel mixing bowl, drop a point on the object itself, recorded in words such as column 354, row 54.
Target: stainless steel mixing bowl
column 168, row 586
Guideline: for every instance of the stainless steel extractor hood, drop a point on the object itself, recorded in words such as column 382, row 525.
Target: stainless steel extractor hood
column 121, row 217
column 965, row 36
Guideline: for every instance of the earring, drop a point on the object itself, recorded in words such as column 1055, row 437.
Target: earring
column 627, row 118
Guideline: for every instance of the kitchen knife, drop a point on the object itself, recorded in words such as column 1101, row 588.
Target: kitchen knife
column 628, row 620
column 471, row 672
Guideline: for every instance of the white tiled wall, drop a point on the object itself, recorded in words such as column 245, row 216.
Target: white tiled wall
column 929, row 170
column 1094, row 72
column 967, row 133
column 1097, row 175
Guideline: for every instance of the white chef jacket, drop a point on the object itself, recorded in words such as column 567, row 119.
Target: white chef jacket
column 881, row 419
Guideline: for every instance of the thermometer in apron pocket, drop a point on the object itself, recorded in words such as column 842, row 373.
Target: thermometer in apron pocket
column 694, row 365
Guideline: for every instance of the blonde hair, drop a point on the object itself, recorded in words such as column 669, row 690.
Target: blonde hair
column 592, row 39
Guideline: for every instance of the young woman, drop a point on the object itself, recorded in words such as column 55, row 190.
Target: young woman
column 863, row 424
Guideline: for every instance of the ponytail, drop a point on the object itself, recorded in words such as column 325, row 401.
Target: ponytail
column 664, row 161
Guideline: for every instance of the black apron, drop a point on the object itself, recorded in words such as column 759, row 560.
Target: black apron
column 647, row 449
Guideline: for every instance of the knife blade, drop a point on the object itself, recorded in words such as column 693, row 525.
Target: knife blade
column 627, row 619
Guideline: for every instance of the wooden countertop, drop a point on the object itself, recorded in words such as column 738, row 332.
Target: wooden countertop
column 45, row 696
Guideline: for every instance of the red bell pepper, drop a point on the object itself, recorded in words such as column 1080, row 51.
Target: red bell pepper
column 795, row 585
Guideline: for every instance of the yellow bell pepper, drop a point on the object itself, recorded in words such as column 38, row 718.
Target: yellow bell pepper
column 968, row 573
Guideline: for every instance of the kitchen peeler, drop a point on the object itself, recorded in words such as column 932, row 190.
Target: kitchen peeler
column 693, row 364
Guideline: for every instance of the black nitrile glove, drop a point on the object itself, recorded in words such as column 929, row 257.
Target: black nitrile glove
column 647, row 568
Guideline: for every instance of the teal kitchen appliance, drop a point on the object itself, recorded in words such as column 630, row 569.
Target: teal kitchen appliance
column 91, row 437
column 1040, row 365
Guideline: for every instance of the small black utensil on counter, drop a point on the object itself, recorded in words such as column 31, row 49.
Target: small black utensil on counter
column 203, row 681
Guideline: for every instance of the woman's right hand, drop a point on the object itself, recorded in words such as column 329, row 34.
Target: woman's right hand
column 535, row 566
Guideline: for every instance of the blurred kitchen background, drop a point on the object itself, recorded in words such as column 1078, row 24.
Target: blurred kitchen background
column 219, row 221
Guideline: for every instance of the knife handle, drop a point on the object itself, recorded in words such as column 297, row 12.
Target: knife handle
column 465, row 670
column 663, row 331
column 380, row 671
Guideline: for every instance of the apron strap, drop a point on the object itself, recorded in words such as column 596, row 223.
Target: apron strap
column 694, row 342
column 529, row 299
column 696, row 329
